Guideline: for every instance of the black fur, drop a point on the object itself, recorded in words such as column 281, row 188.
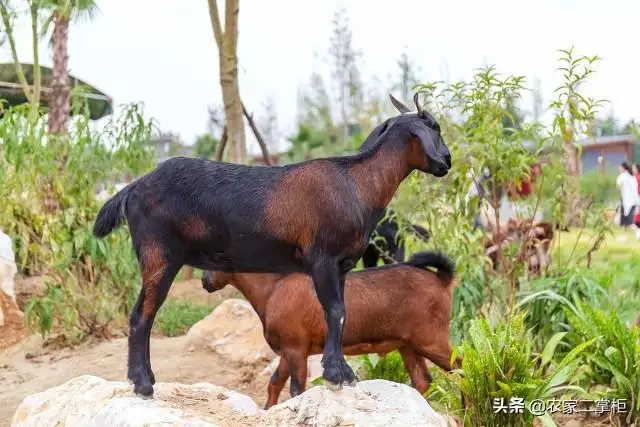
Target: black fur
column 231, row 202
column 445, row 266
column 387, row 241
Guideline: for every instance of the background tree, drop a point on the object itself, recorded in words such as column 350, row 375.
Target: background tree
column 206, row 146
column 344, row 70
column 408, row 78
column 61, row 14
column 269, row 125
column 8, row 13
column 227, row 42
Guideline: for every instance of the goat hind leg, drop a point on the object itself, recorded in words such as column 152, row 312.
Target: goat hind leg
column 416, row 365
column 276, row 383
column 297, row 365
column 329, row 285
column 157, row 276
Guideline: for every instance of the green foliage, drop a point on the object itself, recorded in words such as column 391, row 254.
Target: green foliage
column 601, row 188
column 206, row 146
column 549, row 299
column 612, row 365
column 498, row 363
column 176, row 317
column 50, row 185
column 390, row 368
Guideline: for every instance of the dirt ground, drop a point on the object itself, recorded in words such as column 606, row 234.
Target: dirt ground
column 27, row 368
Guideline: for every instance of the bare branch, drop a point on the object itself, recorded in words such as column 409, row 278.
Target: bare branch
column 256, row 132
column 222, row 145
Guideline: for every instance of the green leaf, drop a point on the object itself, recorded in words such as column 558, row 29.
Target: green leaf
column 550, row 348
column 576, row 351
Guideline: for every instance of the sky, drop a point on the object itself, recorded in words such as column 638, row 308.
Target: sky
column 163, row 53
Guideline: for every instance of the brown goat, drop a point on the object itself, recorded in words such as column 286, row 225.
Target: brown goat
column 402, row 306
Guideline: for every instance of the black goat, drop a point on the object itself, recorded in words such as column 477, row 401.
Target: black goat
column 313, row 217
column 387, row 242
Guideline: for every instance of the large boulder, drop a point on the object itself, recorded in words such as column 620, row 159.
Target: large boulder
column 92, row 401
column 12, row 324
column 234, row 331
column 374, row 403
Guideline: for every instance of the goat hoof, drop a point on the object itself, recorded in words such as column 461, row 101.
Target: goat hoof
column 333, row 386
column 144, row 390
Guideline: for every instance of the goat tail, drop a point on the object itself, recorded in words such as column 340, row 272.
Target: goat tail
column 112, row 213
column 445, row 266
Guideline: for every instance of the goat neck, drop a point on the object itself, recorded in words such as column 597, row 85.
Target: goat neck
column 379, row 171
column 256, row 288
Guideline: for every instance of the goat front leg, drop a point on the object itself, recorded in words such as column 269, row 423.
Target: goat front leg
column 329, row 284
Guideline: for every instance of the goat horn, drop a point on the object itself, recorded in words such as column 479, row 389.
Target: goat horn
column 399, row 105
column 416, row 97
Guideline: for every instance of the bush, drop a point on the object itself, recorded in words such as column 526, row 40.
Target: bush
column 50, row 186
column 602, row 189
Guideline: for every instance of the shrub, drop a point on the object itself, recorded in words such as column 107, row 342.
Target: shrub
column 50, row 186
column 601, row 188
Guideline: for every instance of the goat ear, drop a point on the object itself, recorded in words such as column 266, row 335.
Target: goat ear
column 427, row 139
column 399, row 105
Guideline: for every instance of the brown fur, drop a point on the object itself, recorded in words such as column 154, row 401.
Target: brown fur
column 153, row 264
column 294, row 324
column 194, row 228
column 295, row 209
column 376, row 189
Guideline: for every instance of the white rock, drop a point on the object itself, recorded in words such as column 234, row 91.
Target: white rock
column 92, row 401
column 371, row 403
column 234, row 331
column 89, row 401
column 8, row 267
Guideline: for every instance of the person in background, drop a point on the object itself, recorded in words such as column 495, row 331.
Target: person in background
column 636, row 173
column 628, row 186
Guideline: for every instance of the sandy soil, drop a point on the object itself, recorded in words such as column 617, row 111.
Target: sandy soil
column 27, row 368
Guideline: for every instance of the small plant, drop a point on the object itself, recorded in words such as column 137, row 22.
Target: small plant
column 499, row 364
column 390, row 368
column 176, row 317
column 612, row 365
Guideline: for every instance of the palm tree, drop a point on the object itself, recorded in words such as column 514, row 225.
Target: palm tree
column 61, row 14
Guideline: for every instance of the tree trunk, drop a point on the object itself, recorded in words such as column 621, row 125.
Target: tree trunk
column 60, row 101
column 227, row 42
